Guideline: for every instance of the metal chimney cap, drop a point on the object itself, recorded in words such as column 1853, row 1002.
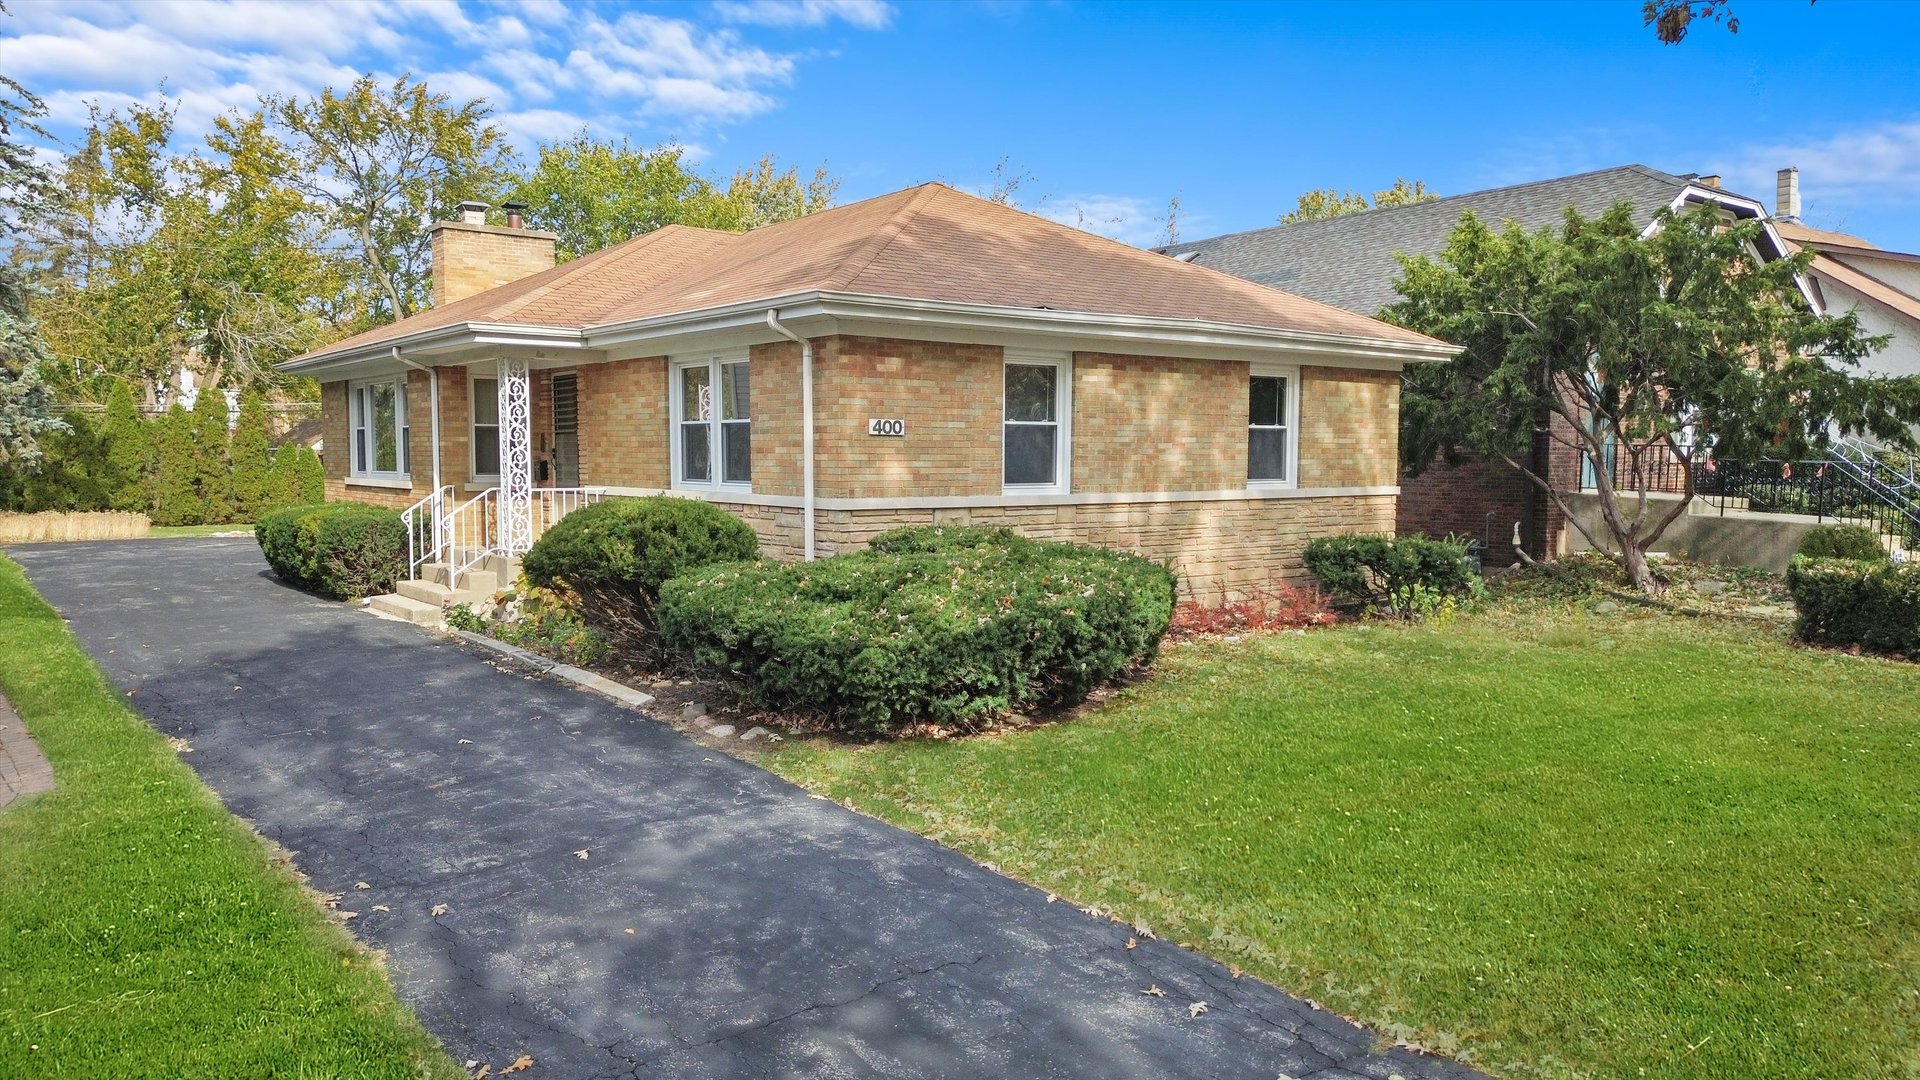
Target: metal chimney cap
column 473, row 213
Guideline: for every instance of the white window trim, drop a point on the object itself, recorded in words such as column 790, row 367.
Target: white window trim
column 676, row 411
column 1063, row 420
column 1292, row 410
column 402, row 429
column 474, row 475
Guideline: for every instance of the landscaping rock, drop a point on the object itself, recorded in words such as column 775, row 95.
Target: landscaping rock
column 1709, row 587
column 693, row 710
column 1605, row 607
column 721, row 731
column 753, row 733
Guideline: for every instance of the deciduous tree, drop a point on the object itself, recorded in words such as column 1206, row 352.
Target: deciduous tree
column 1326, row 203
column 1680, row 343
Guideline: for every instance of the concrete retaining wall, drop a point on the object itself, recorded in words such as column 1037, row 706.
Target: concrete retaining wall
column 1704, row 534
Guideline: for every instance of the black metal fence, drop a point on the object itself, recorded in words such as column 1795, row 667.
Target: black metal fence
column 1849, row 485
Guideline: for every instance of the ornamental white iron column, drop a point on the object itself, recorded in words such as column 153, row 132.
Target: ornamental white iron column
column 516, row 458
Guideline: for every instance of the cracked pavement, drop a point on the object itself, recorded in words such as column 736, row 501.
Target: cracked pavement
column 723, row 923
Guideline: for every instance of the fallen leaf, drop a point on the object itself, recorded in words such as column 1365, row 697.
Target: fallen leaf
column 1235, row 971
column 345, row 915
column 1196, row 1009
column 381, row 907
column 1143, row 930
column 524, row 1061
column 581, row 854
column 629, row 930
column 361, row 885
column 464, row 742
column 485, row 1071
column 438, row 910
column 1133, row 943
column 1052, row 899
column 1154, row 991
column 332, row 899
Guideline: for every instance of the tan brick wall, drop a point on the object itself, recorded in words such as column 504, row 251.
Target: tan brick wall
column 1349, row 427
column 949, row 395
column 1214, row 545
column 775, row 373
column 469, row 259
column 1149, row 423
column 623, row 423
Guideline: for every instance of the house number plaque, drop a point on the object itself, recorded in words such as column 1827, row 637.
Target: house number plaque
column 886, row 427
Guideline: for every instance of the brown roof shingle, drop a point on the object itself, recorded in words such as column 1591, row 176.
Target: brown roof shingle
column 924, row 243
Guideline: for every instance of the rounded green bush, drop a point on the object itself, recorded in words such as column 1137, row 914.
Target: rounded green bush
column 875, row 640
column 922, row 539
column 1843, row 542
column 341, row 550
column 613, row 556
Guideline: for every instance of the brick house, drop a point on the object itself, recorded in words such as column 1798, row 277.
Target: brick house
column 924, row 356
column 1349, row 262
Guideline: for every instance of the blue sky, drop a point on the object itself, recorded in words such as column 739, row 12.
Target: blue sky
column 1110, row 109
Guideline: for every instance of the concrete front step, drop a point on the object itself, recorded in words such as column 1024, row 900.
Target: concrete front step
column 484, row 578
column 406, row 607
column 433, row 592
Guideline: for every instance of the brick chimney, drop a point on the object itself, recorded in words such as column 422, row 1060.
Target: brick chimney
column 1786, row 194
column 471, row 256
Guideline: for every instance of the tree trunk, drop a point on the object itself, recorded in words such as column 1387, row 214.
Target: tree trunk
column 1633, row 559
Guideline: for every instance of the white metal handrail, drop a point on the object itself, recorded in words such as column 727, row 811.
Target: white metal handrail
column 473, row 530
column 425, row 522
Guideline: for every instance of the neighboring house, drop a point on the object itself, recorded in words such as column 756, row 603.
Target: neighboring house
column 1850, row 274
column 1349, row 261
column 922, row 357
column 309, row 432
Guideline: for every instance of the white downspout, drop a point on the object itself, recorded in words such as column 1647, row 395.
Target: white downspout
column 433, row 410
column 806, row 426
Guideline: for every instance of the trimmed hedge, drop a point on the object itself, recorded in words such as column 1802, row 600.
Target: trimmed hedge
column 611, row 558
column 1846, row 602
column 949, row 626
column 341, row 550
column 1398, row 573
column 1843, row 542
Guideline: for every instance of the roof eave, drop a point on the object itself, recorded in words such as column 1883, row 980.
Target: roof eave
column 438, row 339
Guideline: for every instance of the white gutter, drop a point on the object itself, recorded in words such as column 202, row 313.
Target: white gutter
column 433, row 410
column 806, row 426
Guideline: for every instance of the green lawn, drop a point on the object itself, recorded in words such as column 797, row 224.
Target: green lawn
column 164, row 531
column 1551, row 842
column 144, row 931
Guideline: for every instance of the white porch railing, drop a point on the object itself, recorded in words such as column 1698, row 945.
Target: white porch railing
column 472, row 530
column 425, row 522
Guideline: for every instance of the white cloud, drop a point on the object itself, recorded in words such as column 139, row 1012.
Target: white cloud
column 547, row 68
column 1877, row 164
column 866, row 14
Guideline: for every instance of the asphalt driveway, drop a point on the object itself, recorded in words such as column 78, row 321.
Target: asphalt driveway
column 619, row 900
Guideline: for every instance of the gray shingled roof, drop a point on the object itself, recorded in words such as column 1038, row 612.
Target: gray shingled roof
column 1348, row 261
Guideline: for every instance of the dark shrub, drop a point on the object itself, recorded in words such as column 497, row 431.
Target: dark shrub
column 875, row 640
column 925, row 539
column 1872, row 604
column 1843, row 542
column 1402, row 574
column 612, row 557
column 340, row 550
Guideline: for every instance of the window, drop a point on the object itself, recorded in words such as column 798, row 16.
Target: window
column 485, row 436
column 377, row 418
column 1034, row 436
column 713, row 423
column 1270, row 428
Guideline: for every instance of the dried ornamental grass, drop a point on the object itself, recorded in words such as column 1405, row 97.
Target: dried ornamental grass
column 55, row 525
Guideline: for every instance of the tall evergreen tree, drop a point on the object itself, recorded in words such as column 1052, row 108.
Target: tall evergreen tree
column 129, row 452
column 176, row 496
column 310, row 477
column 213, row 473
column 252, row 461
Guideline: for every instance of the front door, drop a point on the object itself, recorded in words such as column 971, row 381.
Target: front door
column 566, row 431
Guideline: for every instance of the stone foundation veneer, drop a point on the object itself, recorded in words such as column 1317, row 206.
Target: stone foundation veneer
column 1218, row 545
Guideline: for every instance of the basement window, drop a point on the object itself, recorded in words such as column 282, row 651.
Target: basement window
column 713, row 423
column 1273, row 411
column 377, row 421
